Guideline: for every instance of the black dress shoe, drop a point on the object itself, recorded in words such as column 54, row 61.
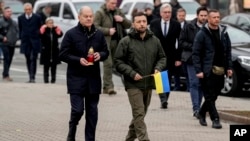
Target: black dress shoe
column 216, row 124
column 31, row 81
column 164, row 105
column 202, row 121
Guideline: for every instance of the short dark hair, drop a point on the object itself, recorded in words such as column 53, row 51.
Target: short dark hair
column 7, row 7
column 137, row 14
column 202, row 8
column 181, row 10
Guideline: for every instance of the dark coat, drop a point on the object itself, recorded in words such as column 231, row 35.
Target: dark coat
column 50, row 48
column 169, row 42
column 203, row 50
column 186, row 40
column 75, row 45
column 134, row 55
column 9, row 29
column 29, row 30
column 42, row 16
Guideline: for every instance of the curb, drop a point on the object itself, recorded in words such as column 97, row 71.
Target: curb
column 234, row 118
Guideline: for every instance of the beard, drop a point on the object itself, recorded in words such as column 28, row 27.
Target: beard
column 141, row 30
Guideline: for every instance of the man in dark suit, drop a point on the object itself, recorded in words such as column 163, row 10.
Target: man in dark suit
column 168, row 31
column 83, row 47
column 45, row 13
column 29, row 24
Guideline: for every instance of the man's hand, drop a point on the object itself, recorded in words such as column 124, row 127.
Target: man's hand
column 5, row 39
column 84, row 62
column 200, row 75
column 229, row 73
column 97, row 56
column 112, row 31
column 137, row 77
column 118, row 18
column 177, row 63
column 156, row 71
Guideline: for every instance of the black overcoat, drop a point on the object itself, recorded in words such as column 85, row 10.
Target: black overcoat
column 75, row 45
column 29, row 30
column 50, row 48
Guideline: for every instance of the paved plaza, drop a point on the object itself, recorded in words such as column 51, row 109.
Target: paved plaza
column 40, row 112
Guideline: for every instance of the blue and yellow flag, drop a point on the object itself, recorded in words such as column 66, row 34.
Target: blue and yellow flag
column 162, row 82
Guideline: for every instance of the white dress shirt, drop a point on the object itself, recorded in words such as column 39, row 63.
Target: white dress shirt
column 162, row 26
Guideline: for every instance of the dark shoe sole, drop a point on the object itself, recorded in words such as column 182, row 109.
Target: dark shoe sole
column 164, row 105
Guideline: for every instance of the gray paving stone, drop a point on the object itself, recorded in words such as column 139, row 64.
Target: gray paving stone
column 40, row 112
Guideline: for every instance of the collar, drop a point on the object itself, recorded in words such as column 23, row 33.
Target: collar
column 162, row 22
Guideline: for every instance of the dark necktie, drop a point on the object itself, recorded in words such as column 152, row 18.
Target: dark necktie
column 165, row 29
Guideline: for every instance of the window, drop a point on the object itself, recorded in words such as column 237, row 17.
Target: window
column 232, row 19
column 142, row 5
column 54, row 6
column 55, row 9
column 67, row 13
column 94, row 5
column 243, row 21
column 126, row 7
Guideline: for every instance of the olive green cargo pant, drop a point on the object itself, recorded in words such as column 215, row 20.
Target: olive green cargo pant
column 108, row 66
column 139, row 101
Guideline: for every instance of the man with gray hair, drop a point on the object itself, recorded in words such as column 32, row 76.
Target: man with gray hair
column 82, row 48
column 29, row 25
column 168, row 31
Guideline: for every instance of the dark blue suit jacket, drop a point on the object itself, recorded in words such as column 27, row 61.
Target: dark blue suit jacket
column 168, row 43
column 29, row 33
column 75, row 45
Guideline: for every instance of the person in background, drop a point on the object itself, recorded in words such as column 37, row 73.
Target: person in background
column 204, row 3
column 1, row 15
column 186, row 44
column 8, row 38
column 45, row 13
column 148, row 11
column 50, row 50
column 175, row 6
column 29, row 26
column 156, row 10
column 181, row 18
column 167, row 31
column 113, row 23
column 133, row 65
column 212, row 60
column 82, row 48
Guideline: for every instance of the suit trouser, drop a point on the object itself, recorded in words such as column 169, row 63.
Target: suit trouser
column 89, row 103
column 8, row 53
column 139, row 101
column 108, row 66
column 211, row 87
column 31, row 61
column 164, row 96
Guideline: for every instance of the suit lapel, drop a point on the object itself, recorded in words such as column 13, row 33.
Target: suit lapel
column 170, row 26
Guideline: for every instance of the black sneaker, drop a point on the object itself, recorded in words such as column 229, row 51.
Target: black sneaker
column 202, row 120
column 216, row 124
column 196, row 114
column 164, row 105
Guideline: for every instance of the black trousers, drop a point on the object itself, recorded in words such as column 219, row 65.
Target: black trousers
column 211, row 87
column 52, row 67
column 8, row 53
column 31, row 62
column 89, row 103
